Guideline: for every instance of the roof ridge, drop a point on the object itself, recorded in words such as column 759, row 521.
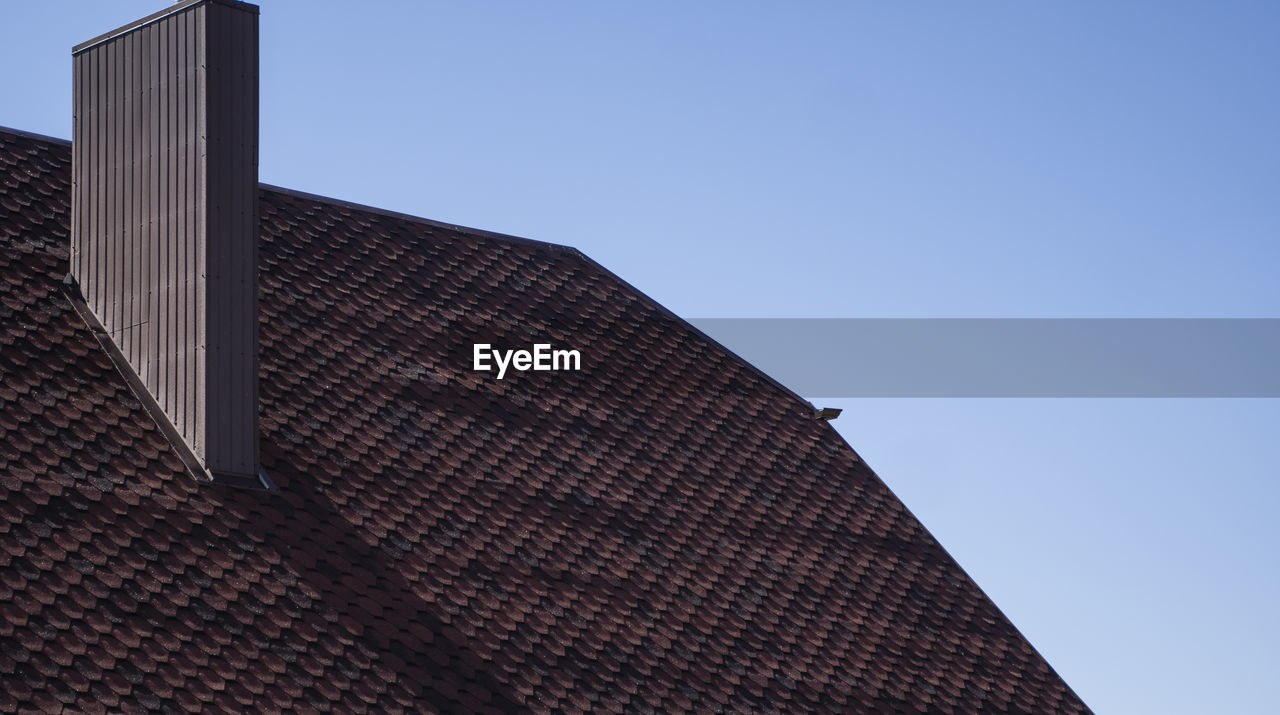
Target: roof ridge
column 644, row 297
column 480, row 232
column 653, row 302
column 505, row 237
column 33, row 135
column 483, row 233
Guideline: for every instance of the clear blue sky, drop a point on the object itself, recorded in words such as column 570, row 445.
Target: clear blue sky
column 987, row 159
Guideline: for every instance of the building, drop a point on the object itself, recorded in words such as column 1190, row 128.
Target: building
column 663, row 529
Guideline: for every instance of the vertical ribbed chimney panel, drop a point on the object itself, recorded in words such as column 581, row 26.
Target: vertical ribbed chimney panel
column 164, row 234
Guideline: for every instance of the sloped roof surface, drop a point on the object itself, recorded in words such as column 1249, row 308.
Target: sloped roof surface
column 665, row 530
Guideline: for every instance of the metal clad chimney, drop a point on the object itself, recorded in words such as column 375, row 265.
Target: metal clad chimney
column 164, row 217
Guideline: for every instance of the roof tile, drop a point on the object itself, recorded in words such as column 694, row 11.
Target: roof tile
column 664, row 530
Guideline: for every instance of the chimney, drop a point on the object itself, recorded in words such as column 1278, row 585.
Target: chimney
column 164, row 222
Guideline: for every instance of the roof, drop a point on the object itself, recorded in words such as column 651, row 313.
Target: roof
column 665, row 530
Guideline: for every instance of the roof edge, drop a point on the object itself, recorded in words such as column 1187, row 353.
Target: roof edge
column 955, row 562
column 507, row 238
column 478, row 232
column 34, row 135
column 696, row 331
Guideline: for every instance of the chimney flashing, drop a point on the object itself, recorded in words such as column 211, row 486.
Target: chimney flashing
column 153, row 408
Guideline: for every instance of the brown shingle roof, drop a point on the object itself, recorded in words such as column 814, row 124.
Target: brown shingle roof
column 665, row 530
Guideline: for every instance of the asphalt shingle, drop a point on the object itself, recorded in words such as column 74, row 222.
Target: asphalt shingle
column 664, row 530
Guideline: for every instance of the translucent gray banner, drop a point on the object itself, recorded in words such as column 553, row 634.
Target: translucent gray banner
column 839, row 357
